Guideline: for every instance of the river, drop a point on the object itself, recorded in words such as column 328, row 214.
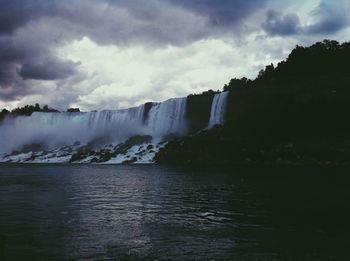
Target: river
column 149, row 212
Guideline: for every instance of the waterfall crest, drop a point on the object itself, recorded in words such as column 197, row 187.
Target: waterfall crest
column 218, row 109
column 64, row 128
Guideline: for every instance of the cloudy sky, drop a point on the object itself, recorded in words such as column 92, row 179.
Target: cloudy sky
column 99, row 54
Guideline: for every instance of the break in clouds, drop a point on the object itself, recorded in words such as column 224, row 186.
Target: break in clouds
column 115, row 54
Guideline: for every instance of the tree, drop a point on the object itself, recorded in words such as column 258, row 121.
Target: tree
column 73, row 110
column 236, row 83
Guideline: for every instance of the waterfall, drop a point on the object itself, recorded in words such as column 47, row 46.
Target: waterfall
column 218, row 109
column 168, row 117
column 64, row 128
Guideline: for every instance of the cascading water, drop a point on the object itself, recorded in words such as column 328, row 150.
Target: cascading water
column 218, row 109
column 64, row 128
column 58, row 129
column 168, row 117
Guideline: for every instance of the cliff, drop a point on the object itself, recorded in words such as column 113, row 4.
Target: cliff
column 295, row 112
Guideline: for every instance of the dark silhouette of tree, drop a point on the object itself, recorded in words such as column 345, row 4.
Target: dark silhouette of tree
column 73, row 110
column 27, row 110
column 297, row 111
column 3, row 114
column 236, row 84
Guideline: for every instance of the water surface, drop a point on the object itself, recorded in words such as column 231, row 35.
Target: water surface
column 111, row 212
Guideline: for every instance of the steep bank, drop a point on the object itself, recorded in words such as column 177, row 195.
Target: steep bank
column 222, row 145
column 294, row 113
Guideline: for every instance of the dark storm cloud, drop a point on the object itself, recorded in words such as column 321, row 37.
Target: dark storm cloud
column 278, row 24
column 329, row 18
column 155, row 22
column 20, row 54
column 47, row 69
column 20, row 47
column 11, row 85
column 12, row 15
column 16, row 13
column 123, row 20
column 328, row 26
column 7, row 73
column 32, row 29
column 225, row 13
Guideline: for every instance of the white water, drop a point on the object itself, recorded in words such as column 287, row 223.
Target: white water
column 58, row 129
column 168, row 117
column 218, row 109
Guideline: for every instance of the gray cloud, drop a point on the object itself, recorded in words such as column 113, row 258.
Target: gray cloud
column 33, row 29
column 155, row 22
column 11, row 85
column 226, row 14
column 123, row 21
column 278, row 24
column 21, row 55
column 329, row 18
column 7, row 72
column 13, row 14
column 47, row 69
column 16, row 13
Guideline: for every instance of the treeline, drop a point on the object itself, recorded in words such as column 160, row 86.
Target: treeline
column 308, row 94
column 297, row 109
column 28, row 110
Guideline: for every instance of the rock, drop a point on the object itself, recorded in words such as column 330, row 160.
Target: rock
column 107, row 156
column 132, row 160
column 76, row 157
column 132, row 141
column 31, row 158
column 35, row 147
column 138, row 140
